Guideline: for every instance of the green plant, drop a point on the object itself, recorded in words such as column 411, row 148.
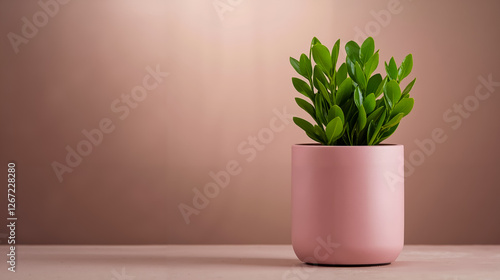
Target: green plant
column 350, row 105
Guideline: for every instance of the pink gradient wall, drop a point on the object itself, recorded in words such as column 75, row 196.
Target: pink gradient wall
column 228, row 81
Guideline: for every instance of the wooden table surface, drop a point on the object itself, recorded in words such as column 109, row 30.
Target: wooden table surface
column 240, row 262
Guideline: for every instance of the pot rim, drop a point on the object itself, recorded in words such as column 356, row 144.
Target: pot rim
column 321, row 146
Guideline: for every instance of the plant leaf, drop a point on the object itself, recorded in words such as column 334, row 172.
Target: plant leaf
column 336, row 111
column 334, row 129
column 358, row 97
column 392, row 93
column 305, row 125
column 341, row 74
column 315, row 41
column 351, row 68
column 335, row 54
column 318, row 104
column 409, row 87
column 325, row 93
column 320, row 132
column 392, row 69
column 381, row 87
column 322, row 57
column 302, row 87
column 369, row 103
column 371, row 64
column 373, row 116
column 406, row 67
column 369, row 131
column 394, row 121
column 315, row 138
column 373, row 83
column 318, row 77
column 386, row 134
column 367, row 49
column 360, row 76
column 348, row 135
column 351, row 111
column 379, row 103
column 404, row 106
column 296, row 65
column 373, row 136
column 352, row 50
column 361, row 118
column 305, row 66
column 306, row 106
column 344, row 91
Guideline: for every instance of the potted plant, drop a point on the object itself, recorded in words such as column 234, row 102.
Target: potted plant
column 347, row 208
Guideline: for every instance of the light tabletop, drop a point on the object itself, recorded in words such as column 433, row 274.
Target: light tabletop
column 240, row 262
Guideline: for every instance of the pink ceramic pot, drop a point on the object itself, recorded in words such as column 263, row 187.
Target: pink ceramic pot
column 347, row 204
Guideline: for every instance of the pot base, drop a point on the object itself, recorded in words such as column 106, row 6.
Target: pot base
column 348, row 265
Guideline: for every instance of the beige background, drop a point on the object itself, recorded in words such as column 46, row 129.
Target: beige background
column 226, row 76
